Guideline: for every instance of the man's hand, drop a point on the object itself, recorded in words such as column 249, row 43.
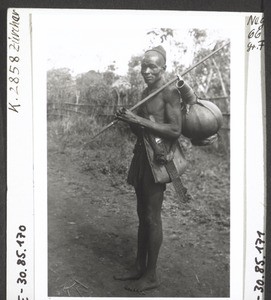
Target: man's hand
column 127, row 116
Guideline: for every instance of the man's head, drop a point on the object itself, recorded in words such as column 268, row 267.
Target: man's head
column 153, row 65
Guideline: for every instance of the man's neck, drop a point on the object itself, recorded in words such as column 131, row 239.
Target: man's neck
column 156, row 85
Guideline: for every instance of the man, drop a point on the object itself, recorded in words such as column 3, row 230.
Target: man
column 160, row 119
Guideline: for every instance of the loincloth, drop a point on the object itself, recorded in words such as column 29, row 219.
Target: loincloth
column 140, row 174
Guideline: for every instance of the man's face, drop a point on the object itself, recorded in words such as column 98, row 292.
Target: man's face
column 152, row 67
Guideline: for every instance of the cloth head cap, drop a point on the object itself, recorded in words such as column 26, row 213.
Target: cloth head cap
column 159, row 49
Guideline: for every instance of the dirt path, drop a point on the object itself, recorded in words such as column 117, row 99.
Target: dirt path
column 92, row 227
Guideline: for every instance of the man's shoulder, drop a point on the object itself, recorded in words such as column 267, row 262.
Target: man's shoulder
column 170, row 89
column 145, row 92
column 171, row 93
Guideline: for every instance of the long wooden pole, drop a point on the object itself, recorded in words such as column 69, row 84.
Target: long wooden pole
column 160, row 89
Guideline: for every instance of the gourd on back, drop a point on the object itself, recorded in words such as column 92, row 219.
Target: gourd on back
column 201, row 119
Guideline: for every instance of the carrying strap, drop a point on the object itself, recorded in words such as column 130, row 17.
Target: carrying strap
column 161, row 155
column 176, row 181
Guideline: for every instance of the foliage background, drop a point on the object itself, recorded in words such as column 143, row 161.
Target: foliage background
column 90, row 99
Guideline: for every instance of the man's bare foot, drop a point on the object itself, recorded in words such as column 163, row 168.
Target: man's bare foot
column 133, row 274
column 143, row 284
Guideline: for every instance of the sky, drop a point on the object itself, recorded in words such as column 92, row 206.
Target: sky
column 95, row 50
column 92, row 41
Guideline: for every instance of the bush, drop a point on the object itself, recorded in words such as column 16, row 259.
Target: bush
column 72, row 131
column 110, row 153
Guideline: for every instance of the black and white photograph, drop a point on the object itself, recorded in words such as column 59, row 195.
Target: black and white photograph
column 138, row 147
column 105, row 233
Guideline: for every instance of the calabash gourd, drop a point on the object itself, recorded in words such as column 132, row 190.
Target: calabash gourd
column 201, row 119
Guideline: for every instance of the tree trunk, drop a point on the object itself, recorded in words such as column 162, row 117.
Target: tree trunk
column 117, row 101
column 77, row 93
column 220, row 78
column 209, row 78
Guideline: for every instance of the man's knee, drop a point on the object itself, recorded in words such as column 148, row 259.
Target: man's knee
column 152, row 217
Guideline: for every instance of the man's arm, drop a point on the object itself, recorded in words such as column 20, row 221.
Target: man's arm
column 136, row 130
column 173, row 118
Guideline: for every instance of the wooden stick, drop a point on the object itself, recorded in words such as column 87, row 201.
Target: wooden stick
column 78, row 292
column 77, row 281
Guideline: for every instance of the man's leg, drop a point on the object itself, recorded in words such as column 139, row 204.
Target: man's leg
column 153, row 199
column 155, row 233
column 142, row 236
column 142, row 246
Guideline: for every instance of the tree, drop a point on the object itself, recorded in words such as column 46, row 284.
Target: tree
column 135, row 79
column 212, row 78
column 95, row 92
column 121, row 89
column 60, row 86
column 109, row 75
column 84, row 84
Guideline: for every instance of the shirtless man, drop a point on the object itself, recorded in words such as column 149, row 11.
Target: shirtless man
column 165, row 113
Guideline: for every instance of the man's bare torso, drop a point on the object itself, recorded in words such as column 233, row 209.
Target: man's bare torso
column 156, row 107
